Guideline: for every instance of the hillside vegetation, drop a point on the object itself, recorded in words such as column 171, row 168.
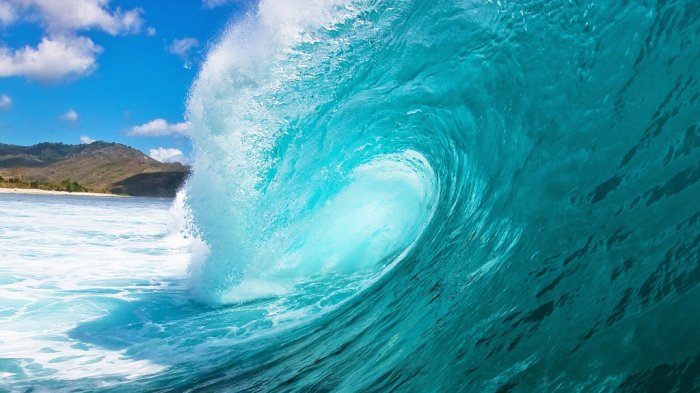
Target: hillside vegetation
column 97, row 167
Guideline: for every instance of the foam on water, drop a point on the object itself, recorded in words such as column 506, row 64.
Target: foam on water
column 65, row 261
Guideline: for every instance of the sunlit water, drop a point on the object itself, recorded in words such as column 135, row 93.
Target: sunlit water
column 94, row 293
column 73, row 271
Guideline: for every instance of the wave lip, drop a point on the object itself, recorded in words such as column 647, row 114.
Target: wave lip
column 272, row 205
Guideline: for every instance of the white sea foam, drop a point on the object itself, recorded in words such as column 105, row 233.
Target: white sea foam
column 66, row 261
column 236, row 124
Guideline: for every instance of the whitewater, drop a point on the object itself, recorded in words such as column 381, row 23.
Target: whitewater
column 478, row 196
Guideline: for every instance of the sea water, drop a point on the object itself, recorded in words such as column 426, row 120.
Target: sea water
column 478, row 196
column 69, row 263
column 94, row 293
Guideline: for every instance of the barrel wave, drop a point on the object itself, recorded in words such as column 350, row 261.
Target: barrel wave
column 420, row 196
column 453, row 196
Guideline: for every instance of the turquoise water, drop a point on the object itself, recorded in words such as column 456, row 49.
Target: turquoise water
column 484, row 196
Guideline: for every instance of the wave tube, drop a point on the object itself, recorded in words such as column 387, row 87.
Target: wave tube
column 453, row 196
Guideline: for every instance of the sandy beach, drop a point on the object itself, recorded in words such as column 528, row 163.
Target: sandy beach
column 32, row 191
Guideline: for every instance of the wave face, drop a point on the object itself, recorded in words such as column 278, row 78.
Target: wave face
column 452, row 196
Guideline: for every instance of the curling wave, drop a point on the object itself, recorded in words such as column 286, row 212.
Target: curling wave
column 453, row 196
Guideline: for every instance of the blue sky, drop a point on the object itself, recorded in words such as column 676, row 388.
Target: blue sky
column 74, row 71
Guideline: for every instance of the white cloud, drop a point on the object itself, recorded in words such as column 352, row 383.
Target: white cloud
column 151, row 31
column 5, row 103
column 8, row 13
column 159, row 127
column 86, row 140
column 59, row 17
column 183, row 47
column 52, row 60
column 215, row 3
column 71, row 116
column 62, row 53
column 167, row 155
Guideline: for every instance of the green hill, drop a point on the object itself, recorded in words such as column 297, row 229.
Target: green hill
column 98, row 167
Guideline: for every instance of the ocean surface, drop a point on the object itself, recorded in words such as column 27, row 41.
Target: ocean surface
column 420, row 196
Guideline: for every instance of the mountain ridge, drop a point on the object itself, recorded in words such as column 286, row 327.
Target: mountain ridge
column 106, row 167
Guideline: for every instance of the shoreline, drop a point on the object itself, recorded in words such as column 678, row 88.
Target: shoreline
column 34, row 191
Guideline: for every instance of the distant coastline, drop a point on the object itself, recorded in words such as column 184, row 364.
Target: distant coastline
column 34, row 191
column 98, row 168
